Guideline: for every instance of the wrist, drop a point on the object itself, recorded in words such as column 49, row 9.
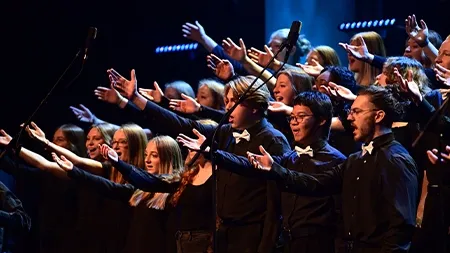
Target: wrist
column 369, row 58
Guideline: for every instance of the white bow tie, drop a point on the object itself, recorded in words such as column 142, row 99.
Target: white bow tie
column 245, row 135
column 307, row 151
column 367, row 148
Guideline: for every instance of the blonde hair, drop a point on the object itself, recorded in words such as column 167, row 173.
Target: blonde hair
column 217, row 91
column 189, row 173
column 300, row 81
column 106, row 131
column 404, row 64
column 259, row 99
column 137, row 141
column 328, row 55
column 170, row 168
column 375, row 45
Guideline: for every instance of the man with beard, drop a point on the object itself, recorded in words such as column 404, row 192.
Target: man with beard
column 379, row 184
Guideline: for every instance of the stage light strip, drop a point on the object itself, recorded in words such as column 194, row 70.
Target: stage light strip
column 176, row 48
column 381, row 23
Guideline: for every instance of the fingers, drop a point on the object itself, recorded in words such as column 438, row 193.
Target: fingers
column 75, row 110
column 84, row 108
column 35, row 126
column 432, row 157
column 361, row 41
column 198, row 134
column 133, row 75
column 316, row 63
column 156, row 85
column 423, row 24
column 252, row 158
column 268, row 50
column 262, row 150
column 441, row 69
column 186, row 97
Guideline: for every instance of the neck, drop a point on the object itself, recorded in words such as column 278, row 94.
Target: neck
column 250, row 123
column 205, row 166
column 379, row 132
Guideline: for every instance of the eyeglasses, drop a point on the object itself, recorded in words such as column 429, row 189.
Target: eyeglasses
column 356, row 111
column 121, row 142
column 299, row 118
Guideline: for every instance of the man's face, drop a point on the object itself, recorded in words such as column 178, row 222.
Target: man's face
column 363, row 118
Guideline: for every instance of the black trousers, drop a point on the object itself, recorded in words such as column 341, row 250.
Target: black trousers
column 238, row 238
column 308, row 240
column 194, row 241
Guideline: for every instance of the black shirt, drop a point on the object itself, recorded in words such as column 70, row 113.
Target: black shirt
column 379, row 194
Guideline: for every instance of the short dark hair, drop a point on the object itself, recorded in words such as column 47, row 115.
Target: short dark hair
column 342, row 76
column 320, row 105
column 384, row 99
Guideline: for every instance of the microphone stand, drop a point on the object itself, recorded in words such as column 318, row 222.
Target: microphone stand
column 15, row 141
column 212, row 138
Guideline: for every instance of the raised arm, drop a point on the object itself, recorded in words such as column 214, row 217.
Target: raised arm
column 12, row 214
column 137, row 177
column 106, row 187
column 88, row 164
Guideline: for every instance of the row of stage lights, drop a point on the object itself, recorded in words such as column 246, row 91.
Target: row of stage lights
column 367, row 24
column 176, row 48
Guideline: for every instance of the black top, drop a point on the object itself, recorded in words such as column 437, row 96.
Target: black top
column 379, row 194
column 240, row 200
column 298, row 211
column 194, row 207
column 146, row 230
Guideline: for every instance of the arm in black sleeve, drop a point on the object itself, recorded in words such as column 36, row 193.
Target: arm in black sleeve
column 14, row 166
column 166, row 122
column 210, row 113
column 426, row 110
column 104, row 186
column 143, row 180
column 12, row 213
column 378, row 61
column 324, row 184
column 238, row 68
column 400, row 188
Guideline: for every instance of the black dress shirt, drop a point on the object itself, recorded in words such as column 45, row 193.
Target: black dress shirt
column 240, row 200
column 379, row 194
column 298, row 211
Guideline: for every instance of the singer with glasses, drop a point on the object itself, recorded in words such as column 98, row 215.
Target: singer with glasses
column 308, row 222
column 379, row 184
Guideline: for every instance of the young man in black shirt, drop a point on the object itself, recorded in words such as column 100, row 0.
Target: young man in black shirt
column 248, row 208
column 378, row 184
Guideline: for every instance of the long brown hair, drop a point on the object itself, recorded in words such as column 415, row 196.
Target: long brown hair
column 171, row 165
column 189, row 173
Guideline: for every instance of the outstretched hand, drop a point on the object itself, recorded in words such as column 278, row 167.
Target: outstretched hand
column 433, row 155
column 83, row 114
column 263, row 161
column 194, row 32
column 236, row 52
column 223, row 69
column 35, row 132
column 186, row 105
column 442, row 74
column 418, row 33
column 190, row 143
column 408, row 85
column 5, row 138
column 156, row 94
column 108, row 153
column 359, row 52
column 127, row 88
column 260, row 57
column 63, row 162
column 313, row 70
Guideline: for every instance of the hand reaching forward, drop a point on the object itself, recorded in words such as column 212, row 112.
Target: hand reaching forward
column 236, row 52
column 338, row 92
column 408, row 85
column 36, row 133
column 190, row 143
column 109, row 95
column 223, row 69
column 154, row 95
column 5, row 138
column 442, row 74
column 260, row 57
column 279, row 107
column 63, row 162
column 359, row 52
column 415, row 32
column 127, row 88
column 263, row 161
column 108, row 153
column 194, row 32
column 188, row 105
column 83, row 114
column 433, row 155
column 313, row 69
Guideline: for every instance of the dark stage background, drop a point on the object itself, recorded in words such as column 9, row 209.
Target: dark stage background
column 39, row 38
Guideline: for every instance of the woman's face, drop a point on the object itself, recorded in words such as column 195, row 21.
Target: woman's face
column 152, row 160
column 93, row 139
column 414, row 51
column 60, row 140
column 205, row 97
column 322, row 79
column 120, row 145
column 283, row 90
column 353, row 64
column 313, row 55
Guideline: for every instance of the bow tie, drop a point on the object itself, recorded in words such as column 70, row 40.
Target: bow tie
column 244, row 135
column 307, row 151
column 367, row 148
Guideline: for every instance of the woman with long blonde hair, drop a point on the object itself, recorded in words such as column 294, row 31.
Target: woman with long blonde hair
column 149, row 216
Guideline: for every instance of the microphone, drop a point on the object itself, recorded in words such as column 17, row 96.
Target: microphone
column 92, row 34
column 292, row 38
